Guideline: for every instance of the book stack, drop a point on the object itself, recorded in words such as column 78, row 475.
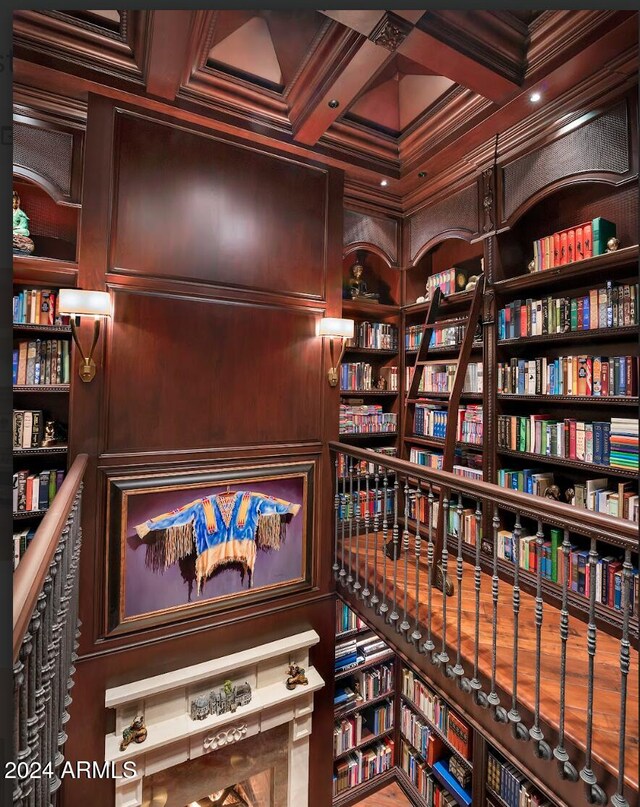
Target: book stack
column 594, row 376
column 356, row 376
column 429, row 421
column 28, row 428
column 534, row 481
column 381, row 717
column 345, row 696
column 623, row 451
column 33, row 492
column 420, row 735
column 358, row 504
column 21, row 541
column 376, row 335
column 609, row 306
column 346, row 656
column 371, row 648
column 417, row 771
column 464, row 522
column 362, row 765
column 366, row 419
column 599, row 495
column 511, row 785
column 470, row 424
column 585, row 240
column 346, row 734
column 375, row 682
column 41, row 361
column 37, row 307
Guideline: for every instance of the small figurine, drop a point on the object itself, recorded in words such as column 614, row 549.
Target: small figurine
column 54, row 433
column 357, row 286
column 200, row 707
column 472, row 282
column 553, row 492
column 381, row 383
column 613, row 244
column 22, row 244
column 296, row 676
column 531, row 266
column 136, row 732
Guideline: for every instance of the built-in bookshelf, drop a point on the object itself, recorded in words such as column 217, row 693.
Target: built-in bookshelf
column 507, row 786
column 363, row 738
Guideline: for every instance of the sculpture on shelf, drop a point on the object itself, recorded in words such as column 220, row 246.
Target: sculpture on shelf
column 358, row 287
column 22, row 244
column 54, row 434
column 381, row 383
column 613, row 244
column 219, row 702
column 531, row 265
column 136, row 732
column 295, row 677
column 553, row 492
column 472, row 282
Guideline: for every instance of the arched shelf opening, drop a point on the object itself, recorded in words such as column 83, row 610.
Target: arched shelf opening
column 378, row 275
column 453, row 251
column 564, row 208
column 53, row 227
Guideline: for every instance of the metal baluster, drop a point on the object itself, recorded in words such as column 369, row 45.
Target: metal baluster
column 394, row 616
column 499, row 713
column 565, row 768
column 542, row 749
column 518, row 729
column 444, row 656
column 24, row 754
column 474, row 685
column 365, row 591
column 376, row 527
column 34, row 682
column 595, row 794
column 416, row 635
column 57, row 643
column 357, row 585
column 618, row 799
column 404, row 625
column 352, row 509
column 18, row 685
column 385, row 536
column 336, row 508
column 458, row 669
column 429, row 646
column 343, row 522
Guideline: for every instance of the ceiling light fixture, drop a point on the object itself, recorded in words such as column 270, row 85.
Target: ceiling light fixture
column 334, row 103
column 384, row 183
column 535, row 97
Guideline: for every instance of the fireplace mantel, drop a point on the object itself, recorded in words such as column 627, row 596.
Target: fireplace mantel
column 173, row 737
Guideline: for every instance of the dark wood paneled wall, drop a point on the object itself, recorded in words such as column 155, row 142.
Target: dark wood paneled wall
column 219, row 259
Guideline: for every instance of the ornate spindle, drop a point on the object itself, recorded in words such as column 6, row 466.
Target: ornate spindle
column 336, row 508
column 429, row 646
column 357, row 585
column 385, row 537
column 416, row 635
column 350, row 514
column 519, row 730
column 618, row 799
column 404, row 625
column 474, row 685
column 594, row 793
column 368, row 504
column 493, row 699
column 443, row 656
column 458, row 669
column 394, row 616
column 566, row 769
column 343, row 523
column 542, row 749
column 376, row 528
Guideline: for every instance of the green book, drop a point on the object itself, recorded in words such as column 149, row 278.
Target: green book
column 601, row 231
column 574, row 315
column 522, row 435
column 556, row 542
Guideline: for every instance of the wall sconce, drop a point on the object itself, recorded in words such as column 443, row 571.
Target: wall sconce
column 334, row 328
column 77, row 303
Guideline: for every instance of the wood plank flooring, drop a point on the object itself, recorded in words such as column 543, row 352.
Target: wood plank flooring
column 389, row 796
column 606, row 714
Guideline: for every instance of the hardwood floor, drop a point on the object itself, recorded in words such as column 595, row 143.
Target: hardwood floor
column 606, row 714
column 389, row 796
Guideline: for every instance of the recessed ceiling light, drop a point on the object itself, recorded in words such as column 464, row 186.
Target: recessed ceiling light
column 334, row 103
column 422, row 174
column 384, row 183
column 535, row 97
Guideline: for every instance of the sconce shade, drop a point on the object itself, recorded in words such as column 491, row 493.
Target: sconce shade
column 78, row 302
column 333, row 326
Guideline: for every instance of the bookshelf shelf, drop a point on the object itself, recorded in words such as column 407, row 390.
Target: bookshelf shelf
column 358, row 792
column 360, row 308
column 438, row 442
column 600, row 334
column 349, row 634
column 25, row 327
column 370, row 351
column 444, row 396
column 499, row 801
column 583, row 466
column 371, row 393
column 370, row 738
column 578, row 270
column 365, row 435
column 364, row 666
column 436, row 731
column 44, row 271
column 48, row 388
column 352, row 709
column 23, row 515
column 39, row 451
column 450, row 302
column 596, row 400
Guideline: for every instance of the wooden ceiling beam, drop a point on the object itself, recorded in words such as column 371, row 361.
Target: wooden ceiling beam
column 167, row 59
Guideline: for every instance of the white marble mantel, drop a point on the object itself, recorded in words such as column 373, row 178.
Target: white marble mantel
column 173, row 737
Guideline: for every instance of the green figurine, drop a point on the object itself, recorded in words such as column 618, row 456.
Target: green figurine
column 22, row 244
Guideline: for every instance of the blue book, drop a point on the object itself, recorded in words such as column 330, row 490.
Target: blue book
column 606, row 442
column 597, row 442
column 15, row 366
column 622, row 390
column 585, row 313
column 617, row 591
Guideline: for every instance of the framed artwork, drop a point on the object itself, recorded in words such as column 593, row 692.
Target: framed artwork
column 206, row 540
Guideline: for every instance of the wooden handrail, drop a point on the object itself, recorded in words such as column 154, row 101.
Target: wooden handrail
column 604, row 527
column 29, row 577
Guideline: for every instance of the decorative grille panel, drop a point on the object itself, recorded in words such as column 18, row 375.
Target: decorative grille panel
column 46, row 153
column 456, row 212
column 381, row 232
column 600, row 145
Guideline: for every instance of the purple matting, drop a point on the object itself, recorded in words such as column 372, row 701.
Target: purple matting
column 147, row 591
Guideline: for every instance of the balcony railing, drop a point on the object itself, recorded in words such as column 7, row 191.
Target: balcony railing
column 45, row 631
column 532, row 653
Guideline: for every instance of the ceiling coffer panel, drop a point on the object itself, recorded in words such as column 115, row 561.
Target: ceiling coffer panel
column 601, row 145
column 458, row 212
column 381, row 232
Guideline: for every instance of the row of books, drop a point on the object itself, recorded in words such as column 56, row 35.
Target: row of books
column 420, row 734
column 611, row 443
column 585, row 240
column 430, row 421
column 377, row 335
column 347, row 620
column 364, row 685
column 594, row 376
column 35, row 491
column 347, row 734
column 433, row 794
column 439, row 377
column 37, row 307
column 356, row 505
column 359, row 651
column 355, row 376
column 611, row 306
column 347, row 466
column 437, row 712
column 21, row 541
column 447, row 336
column 28, row 428
column 449, row 281
column 461, row 521
column 366, row 419
column 361, row 765
column 465, row 463
column 511, row 785
column 608, row 570
column 41, row 361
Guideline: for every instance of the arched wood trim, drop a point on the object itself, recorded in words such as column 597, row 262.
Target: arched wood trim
column 26, row 173
column 462, row 234
column 349, row 249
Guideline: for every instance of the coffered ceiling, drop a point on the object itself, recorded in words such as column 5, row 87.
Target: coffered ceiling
column 393, row 97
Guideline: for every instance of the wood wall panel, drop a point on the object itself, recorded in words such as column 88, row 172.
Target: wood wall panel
column 192, row 206
column 228, row 374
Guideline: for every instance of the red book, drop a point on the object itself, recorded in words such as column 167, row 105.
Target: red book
column 507, row 320
column 572, row 439
column 579, row 253
column 587, row 244
column 532, row 557
column 29, row 492
column 523, row 321
column 604, row 378
column 580, row 313
column 613, row 568
column 563, row 248
column 556, row 249
column 571, row 246
column 589, row 384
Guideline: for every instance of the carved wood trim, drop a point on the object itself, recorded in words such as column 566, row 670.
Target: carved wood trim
column 390, row 32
